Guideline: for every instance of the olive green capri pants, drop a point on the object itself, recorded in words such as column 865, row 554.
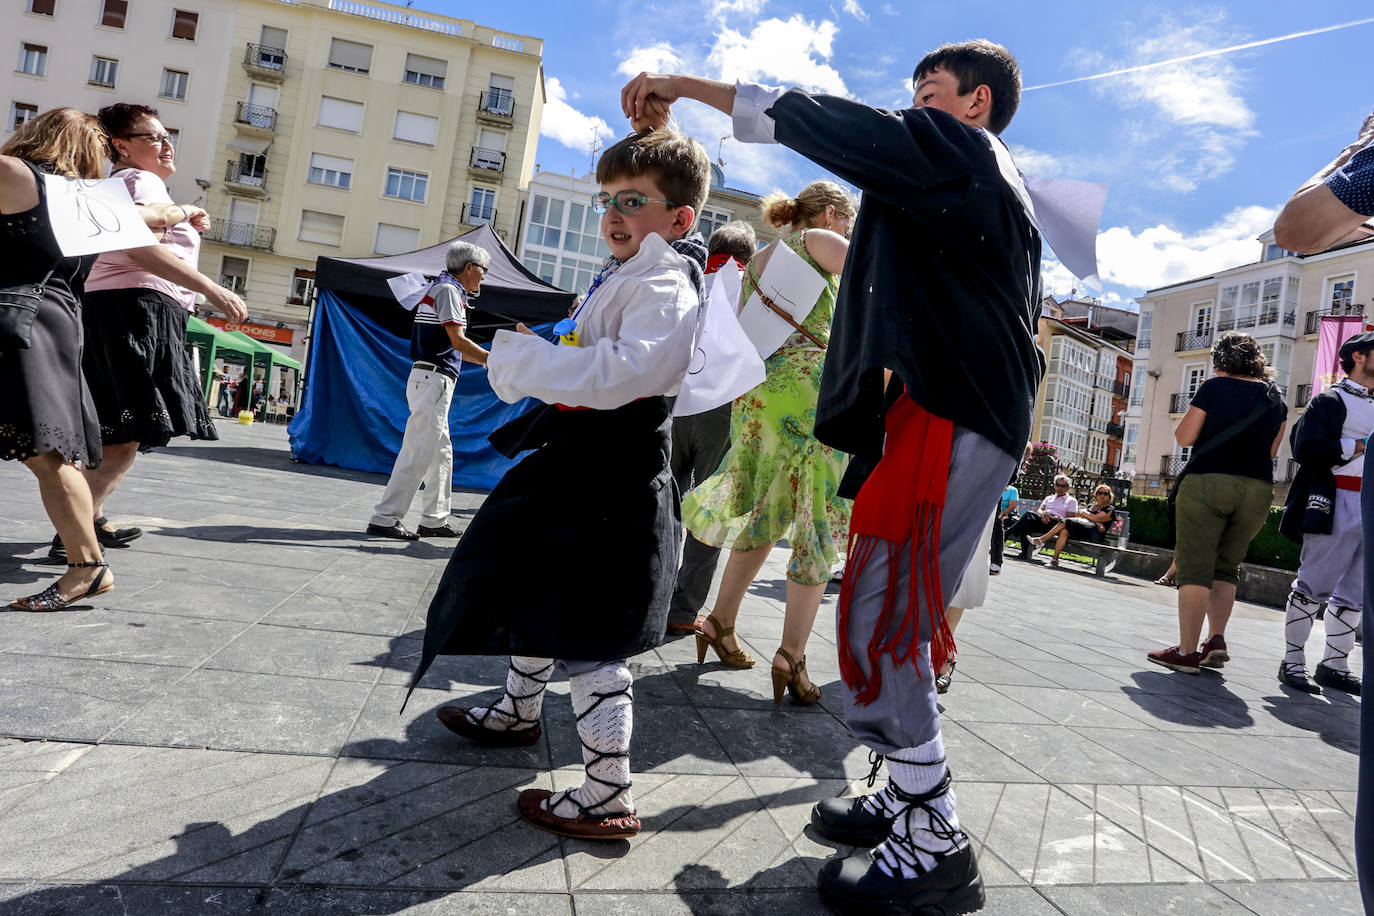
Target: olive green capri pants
column 1217, row 516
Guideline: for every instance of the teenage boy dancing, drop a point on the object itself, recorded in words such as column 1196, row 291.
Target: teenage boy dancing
column 940, row 289
column 598, row 478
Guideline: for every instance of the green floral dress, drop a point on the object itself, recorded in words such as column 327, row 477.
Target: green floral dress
column 777, row 481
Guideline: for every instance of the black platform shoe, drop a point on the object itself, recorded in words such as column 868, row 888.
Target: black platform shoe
column 1334, row 679
column 1297, row 681
column 846, row 821
column 855, row 885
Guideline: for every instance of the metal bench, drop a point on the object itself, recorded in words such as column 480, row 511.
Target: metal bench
column 1106, row 555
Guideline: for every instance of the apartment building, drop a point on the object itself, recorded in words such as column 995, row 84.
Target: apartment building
column 1082, row 404
column 561, row 238
column 1280, row 299
column 87, row 54
column 357, row 128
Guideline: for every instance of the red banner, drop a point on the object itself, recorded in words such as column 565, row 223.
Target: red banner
column 255, row 331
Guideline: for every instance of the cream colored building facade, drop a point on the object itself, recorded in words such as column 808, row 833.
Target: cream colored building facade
column 171, row 54
column 1280, row 299
column 354, row 129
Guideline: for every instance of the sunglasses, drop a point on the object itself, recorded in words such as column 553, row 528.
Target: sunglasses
column 479, row 267
column 157, row 139
column 627, row 202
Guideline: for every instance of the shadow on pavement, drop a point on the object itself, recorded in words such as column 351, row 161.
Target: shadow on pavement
column 1207, row 703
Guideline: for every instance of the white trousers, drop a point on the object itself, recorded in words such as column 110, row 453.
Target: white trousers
column 426, row 454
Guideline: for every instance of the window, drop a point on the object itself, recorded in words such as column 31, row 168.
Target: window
column 1202, row 317
column 482, row 206
column 330, row 170
column 352, row 56
column 416, row 128
column 252, row 170
column 42, row 7
column 22, row 113
column 271, row 48
column 575, row 275
column 341, row 114
column 500, row 95
column 425, row 71
column 174, row 84
column 184, row 24
column 321, row 228
column 1144, row 329
column 103, row 71
column 710, row 221
column 1342, row 295
column 406, row 185
column 113, row 13
column 1097, row 451
column 396, row 239
column 546, row 225
column 542, row 265
column 583, row 235
column 302, row 285
column 175, row 136
column 33, row 59
column 233, row 274
column 1273, row 252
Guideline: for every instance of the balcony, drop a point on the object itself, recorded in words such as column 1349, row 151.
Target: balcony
column 487, row 161
column 251, row 182
column 1178, row 403
column 1116, row 430
column 1138, row 399
column 1171, row 465
column 496, row 106
column 1313, row 322
column 1193, row 340
column 249, row 235
column 477, row 215
column 255, row 120
column 265, row 63
column 1304, row 395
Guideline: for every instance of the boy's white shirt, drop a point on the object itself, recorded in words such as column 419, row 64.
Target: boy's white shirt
column 635, row 340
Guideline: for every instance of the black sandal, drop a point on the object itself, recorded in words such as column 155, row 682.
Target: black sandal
column 944, row 678
column 49, row 599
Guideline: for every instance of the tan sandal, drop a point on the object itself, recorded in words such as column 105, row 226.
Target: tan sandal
column 791, row 682
column 736, row 659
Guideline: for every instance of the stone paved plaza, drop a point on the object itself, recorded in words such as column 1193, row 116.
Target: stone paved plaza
column 223, row 734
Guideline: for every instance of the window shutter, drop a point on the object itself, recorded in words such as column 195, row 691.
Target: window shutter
column 340, row 113
column 321, row 228
column 416, row 128
column 429, row 66
column 184, row 24
column 396, row 239
column 350, row 55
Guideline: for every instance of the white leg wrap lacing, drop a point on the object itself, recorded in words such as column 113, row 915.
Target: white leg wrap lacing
column 1340, row 636
column 603, row 700
column 1299, row 614
column 526, row 680
column 918, row 796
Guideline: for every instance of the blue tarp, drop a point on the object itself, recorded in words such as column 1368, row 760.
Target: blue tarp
column 354, row 407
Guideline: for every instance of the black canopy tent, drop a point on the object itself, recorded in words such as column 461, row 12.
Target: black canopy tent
column 509, row 293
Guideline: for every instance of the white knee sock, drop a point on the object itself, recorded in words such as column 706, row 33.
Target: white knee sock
column 603, row 700
column 926, row 828
column 1340, row 636
column 526, row 680
column 1299, row 614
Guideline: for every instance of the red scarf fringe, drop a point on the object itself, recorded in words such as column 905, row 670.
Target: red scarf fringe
column 902, row 502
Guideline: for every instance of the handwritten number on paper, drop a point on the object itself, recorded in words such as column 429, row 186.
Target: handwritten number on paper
column 93, row 213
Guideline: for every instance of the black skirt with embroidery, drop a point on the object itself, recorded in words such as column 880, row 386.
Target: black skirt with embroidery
column 573, row 555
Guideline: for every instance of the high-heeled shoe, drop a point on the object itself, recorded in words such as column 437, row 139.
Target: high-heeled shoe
column 50, row 599
column 791, row 682
column 736, row 659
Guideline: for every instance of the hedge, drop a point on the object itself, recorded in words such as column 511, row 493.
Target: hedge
column 1150, row 525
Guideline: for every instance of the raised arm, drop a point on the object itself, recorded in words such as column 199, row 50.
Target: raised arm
column 1334, row 202
column 160, row 262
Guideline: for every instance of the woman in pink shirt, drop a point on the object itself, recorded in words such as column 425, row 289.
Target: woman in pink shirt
column 136, row 362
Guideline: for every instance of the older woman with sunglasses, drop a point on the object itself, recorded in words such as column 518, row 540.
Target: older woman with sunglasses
column 136, row 307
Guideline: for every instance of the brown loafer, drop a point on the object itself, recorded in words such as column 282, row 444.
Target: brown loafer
column 455, row 719
column 617, row 827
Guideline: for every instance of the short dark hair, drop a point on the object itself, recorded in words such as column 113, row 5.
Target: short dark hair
column 1348, row 362
column 736, row 238
column 1237, row 353
column 977, row 63
column 669, row 158
column 118, row 119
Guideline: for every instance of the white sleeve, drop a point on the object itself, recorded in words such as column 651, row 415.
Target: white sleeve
column 750, row 123
column 649, row 356
column 1348, row 449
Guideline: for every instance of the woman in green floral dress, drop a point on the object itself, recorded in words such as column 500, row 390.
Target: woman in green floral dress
column 777, row 481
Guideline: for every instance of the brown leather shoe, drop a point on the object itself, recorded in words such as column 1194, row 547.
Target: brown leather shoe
column 455, row 719
column 618, row 827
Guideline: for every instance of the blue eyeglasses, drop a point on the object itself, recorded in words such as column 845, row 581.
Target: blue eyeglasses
column 627, row 201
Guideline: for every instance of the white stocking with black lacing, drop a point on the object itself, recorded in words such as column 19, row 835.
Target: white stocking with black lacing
column 1299, row 614
column 603, row 700
column 526, row 680
column 1340, row 636
column 925, row 828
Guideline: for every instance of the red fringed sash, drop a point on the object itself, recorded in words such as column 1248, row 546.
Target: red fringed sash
column 902, row 501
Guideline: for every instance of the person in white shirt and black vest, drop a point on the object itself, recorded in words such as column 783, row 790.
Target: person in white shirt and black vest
column 1323, row 515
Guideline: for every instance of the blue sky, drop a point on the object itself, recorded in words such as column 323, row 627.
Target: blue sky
column 1199, row 155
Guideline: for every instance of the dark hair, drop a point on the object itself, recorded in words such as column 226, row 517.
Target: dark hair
column 118, row 119
column 736, row 238
column 670, row 159
column 1237, row 353
column 1348, row 362
column 977, row 63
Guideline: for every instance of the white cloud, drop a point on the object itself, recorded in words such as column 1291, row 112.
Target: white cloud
column 1038, row 162
column 656, row 58
column 794, row 52
column 852, row 8
column 889, row 10
column 1161, row 255
column 565, row 124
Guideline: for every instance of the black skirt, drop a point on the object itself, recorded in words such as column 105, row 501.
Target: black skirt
column 139, row 368
column 573, row 555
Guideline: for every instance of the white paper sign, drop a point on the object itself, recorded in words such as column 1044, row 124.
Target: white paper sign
column 1068, row 213
column 409, row 289
column 725, row 364
column 90, row 216
column 794, row 286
